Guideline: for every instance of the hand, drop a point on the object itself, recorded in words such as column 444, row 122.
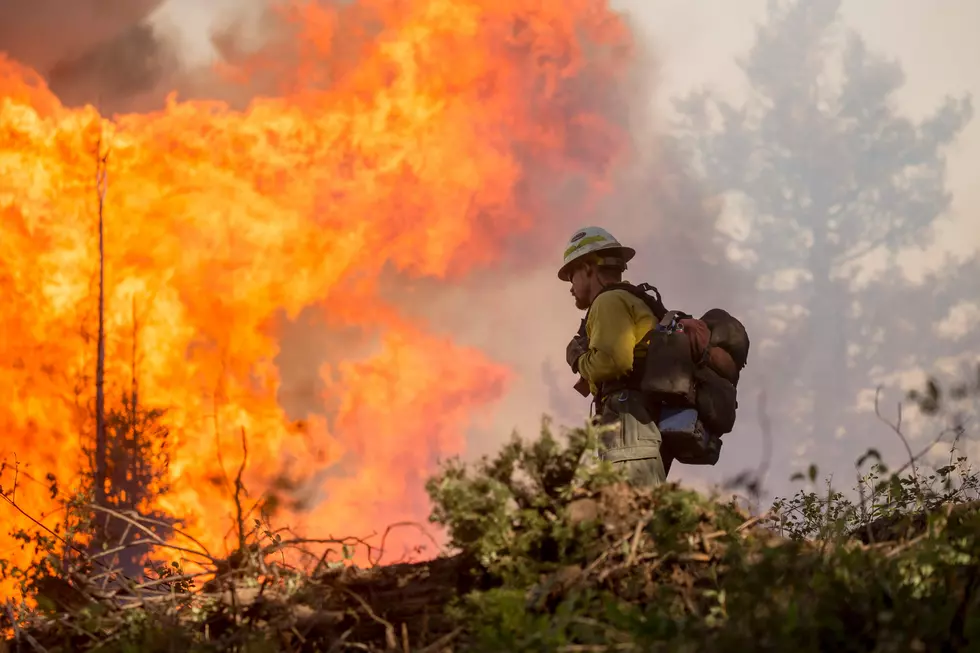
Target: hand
column 576, row 347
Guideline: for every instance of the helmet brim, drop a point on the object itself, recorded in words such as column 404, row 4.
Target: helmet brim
column 626, row 253
column 620, row 251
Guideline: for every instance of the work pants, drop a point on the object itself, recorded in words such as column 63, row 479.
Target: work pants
column 635, row 443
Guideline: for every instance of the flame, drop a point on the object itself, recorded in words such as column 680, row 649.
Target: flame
column 405, row 146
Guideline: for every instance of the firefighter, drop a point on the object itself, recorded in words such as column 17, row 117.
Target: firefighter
column 604, row 354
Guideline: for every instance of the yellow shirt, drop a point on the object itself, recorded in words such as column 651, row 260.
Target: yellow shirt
column 616, row 323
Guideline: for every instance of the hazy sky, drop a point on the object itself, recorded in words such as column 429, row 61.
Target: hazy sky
column 935, row 42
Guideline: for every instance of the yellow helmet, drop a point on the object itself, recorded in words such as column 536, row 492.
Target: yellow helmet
column 590, row 240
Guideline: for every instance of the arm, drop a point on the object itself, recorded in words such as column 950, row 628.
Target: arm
column 611, row 340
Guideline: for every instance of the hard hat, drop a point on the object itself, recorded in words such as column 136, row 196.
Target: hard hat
column 590, row 240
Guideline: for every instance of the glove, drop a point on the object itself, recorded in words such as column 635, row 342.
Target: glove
column 576, row 347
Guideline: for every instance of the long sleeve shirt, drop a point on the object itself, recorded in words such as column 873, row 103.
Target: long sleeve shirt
column 616, row 323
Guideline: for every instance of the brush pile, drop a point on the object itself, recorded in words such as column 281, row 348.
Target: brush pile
column 554, row 556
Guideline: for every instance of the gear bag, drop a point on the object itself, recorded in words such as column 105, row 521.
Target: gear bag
column 728, row 334
column 697, row 403
column 687, row 438
column 668, row 369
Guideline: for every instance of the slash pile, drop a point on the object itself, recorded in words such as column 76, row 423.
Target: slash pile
column 552, row 556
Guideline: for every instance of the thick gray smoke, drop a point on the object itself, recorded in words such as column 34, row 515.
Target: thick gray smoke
column 47, row 33
column 128, row 55
column 103, row 52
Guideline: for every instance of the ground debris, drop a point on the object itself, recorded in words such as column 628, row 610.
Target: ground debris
column 610, row 567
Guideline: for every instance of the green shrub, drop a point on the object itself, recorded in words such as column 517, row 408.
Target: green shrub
column 553, row 551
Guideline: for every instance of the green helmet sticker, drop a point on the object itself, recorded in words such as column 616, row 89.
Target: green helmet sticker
column 598, row 238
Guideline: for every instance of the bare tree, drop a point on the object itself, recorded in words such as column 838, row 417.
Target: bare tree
column 101, row 182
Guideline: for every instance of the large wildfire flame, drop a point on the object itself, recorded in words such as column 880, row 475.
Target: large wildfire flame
column 410, row 156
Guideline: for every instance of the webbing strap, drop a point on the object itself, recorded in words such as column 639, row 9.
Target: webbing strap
column 668, row 320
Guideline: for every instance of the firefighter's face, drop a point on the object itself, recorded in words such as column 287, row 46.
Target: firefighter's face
column 581, row 282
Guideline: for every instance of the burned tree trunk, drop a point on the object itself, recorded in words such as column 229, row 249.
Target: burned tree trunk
column 100, row 431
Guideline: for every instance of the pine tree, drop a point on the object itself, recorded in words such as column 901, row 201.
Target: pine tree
column 828, row 176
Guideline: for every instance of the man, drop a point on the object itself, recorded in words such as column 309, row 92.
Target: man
column 615, row 324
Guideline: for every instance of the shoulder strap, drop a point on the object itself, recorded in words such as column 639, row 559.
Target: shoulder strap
column 642, row 291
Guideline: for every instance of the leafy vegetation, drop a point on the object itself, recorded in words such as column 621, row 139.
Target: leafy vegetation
column 671, row 570
column 553, row 551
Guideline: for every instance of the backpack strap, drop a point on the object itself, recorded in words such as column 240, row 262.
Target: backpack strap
column 655, row 303
column 642, row 291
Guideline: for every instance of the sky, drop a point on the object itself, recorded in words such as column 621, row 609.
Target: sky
column 698, row 41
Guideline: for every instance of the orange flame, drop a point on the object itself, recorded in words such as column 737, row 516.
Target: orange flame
column 406, row 145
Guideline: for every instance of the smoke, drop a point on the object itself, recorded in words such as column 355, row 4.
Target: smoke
column 127, row 56
column 102, row 52
column 45, row 33
column 134, row 53
column 517, row 311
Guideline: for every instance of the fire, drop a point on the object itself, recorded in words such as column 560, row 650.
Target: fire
column 406, row 147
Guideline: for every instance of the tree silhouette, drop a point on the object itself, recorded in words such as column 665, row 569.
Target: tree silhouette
column 136, row 461
column 138, row 458
column 129, row 455
column 827, row 178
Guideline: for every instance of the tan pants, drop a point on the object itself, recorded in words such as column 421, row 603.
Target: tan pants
column 636, row 443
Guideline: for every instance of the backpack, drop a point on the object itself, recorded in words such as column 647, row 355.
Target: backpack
column 697, row 398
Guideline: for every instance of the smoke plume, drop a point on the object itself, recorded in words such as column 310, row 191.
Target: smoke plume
column 90, row 51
